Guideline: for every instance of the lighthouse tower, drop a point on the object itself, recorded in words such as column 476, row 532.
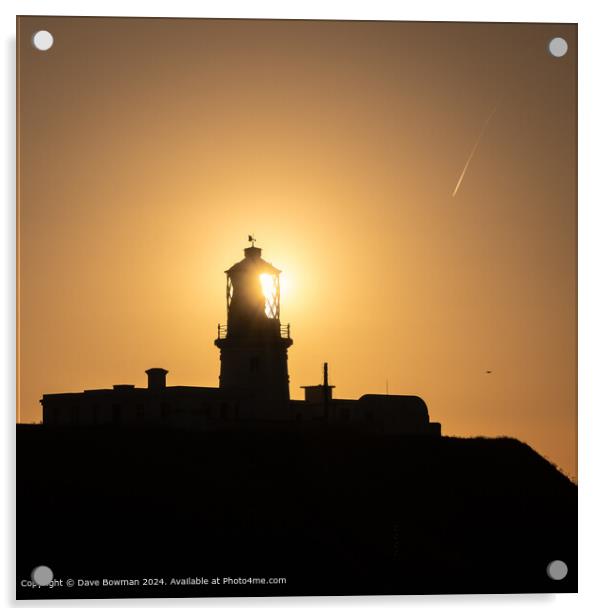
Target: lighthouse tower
column 254, row 344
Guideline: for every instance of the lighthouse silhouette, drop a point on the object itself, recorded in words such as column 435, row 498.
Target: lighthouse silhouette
column 254, row 343
column 253, row 390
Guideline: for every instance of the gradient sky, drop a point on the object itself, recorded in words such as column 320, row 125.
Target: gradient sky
column 150, row 148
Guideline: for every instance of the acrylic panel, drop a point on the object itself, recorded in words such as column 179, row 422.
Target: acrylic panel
column 296, row 307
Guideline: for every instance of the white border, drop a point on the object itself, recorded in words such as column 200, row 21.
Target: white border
column 587, row 14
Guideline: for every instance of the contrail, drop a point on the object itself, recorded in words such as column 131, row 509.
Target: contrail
column 474, row 149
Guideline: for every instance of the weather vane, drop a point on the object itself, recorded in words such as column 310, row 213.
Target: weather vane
column 252, row 239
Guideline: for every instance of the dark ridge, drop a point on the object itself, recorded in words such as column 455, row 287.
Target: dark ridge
column 333, row 512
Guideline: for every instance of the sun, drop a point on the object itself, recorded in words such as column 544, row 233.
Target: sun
column 269, row 290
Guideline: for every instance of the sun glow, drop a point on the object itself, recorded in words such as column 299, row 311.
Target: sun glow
column 267, row 285
column 270, row 292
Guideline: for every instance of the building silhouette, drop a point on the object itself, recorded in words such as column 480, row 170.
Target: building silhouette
column 253, row 384
column 254, row 345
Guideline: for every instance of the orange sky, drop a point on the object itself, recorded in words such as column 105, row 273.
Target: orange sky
column 150, row 148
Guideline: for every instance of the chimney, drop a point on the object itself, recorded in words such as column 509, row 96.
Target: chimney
column 156, row 378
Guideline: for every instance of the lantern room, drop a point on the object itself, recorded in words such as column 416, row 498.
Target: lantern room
column 252, row 292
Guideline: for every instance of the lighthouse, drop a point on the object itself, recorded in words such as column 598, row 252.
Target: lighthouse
column 254, row 343
column 253, row 387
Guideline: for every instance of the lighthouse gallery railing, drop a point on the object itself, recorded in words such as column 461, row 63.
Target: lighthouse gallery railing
column 285, row 331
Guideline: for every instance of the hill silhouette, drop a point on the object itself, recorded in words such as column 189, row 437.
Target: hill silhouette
column 330, row 511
